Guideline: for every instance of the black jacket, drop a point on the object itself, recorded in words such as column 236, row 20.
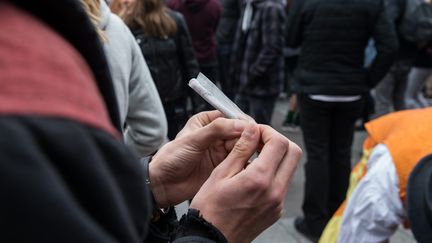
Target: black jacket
column 333, row 35
column 227, row 27
column 171, row 61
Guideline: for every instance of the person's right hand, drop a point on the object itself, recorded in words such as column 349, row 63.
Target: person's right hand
column 243, row 199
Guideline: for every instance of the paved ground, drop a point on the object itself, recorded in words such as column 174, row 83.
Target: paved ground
column 283, row 231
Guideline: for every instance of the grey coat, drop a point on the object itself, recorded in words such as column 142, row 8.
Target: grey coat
column 140, row 108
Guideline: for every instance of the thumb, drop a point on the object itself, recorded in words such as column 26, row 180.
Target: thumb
column 242, row 151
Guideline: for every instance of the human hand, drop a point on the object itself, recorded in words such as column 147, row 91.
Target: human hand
column 243, row 199
column 180, row 167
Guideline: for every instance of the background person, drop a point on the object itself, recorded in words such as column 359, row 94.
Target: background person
column 225, row 36
column 165, row 42
column 63, row 160
column 421, row 70
column 330, row 81
column 257, row 63
column 140, row 108
column 202, row 18
column 376, row 202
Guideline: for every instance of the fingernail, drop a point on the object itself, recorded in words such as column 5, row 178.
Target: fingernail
column 249, row 131
column 239, row 125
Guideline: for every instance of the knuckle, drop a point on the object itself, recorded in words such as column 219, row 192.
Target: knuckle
column 257, row 183
column 219, row 124
column 296, row 149
column 284, row 142
column 196, row 116
column 280, row 145
column 275, row 198
column 241, row 146
column 261, row 168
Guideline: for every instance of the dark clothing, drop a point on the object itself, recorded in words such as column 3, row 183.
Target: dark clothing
column 257, row 65
column 172, row 64
column 396, row 10
column 258, row 107
column 328, row 133
column 422, row 58
column 225, row 35
column 177, row 115
column 65, row 174
column 226, row 31
column 171, row 60
column 333, row 36
column 202, row 18
column 224, row 52
column 390, row 92
column 62, row 181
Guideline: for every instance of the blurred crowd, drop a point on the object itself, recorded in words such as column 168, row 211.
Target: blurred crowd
column 343, row 65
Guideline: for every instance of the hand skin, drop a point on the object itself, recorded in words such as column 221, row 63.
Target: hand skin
column 243, row 199
column 179, row 168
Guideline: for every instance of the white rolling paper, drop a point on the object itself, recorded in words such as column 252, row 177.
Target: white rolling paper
column 215, row 97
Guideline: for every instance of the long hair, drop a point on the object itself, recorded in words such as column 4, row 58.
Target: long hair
column 151, row 16
column 118, row 8
column 92, row 8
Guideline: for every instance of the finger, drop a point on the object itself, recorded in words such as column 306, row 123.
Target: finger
column 199, row 120
column 239, row 156
column 272, row 153
column 219, row 129
column 206, row 117
column 229, row 144
column 288, row 166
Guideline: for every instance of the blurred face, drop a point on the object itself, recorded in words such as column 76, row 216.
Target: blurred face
column 128, row 5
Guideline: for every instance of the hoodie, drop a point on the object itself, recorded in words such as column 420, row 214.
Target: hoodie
column 202, row 18
column 140, row 108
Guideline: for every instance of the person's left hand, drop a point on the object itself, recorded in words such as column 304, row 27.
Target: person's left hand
column 179, row 168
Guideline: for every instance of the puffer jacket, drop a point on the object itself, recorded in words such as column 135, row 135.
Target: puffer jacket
column 171, row 60
column 333, row 36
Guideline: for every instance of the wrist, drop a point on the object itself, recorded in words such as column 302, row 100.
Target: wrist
column 154, row 184
column 157, row 188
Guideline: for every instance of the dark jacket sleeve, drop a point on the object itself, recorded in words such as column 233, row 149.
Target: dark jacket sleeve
column 272, row 30
column 186, row 53
column 294, row 30
column 395, row 9
column 193, row 239
column 193, row 228
column 386, row 44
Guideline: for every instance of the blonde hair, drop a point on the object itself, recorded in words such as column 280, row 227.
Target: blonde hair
column 93, row 10
column 149, row 15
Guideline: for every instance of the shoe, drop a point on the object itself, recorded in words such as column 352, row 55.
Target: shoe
column 301, row 226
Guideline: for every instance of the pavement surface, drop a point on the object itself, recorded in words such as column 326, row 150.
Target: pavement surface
column 283, row 230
